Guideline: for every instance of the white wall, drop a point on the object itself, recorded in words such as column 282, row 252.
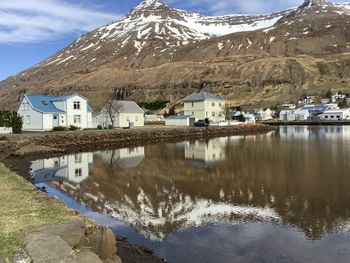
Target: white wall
column 177, row 122
column 36, row 118
column 82, row 112
column 214, row 110
column 123, row 119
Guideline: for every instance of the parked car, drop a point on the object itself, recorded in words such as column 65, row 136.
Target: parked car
column 202, row 123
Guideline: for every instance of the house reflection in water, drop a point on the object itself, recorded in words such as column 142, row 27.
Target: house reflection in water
column 124, row 158
column 71, row 168
column 203, row 153
column 315, row 132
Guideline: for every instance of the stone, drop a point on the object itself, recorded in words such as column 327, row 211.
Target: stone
column 103, row 243
column 71, row 232
column 20, row 256
column 48, row 249
column 86, row 256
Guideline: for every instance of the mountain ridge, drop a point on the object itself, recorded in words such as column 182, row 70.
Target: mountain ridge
column 153, row 35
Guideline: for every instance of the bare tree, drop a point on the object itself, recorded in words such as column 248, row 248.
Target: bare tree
column 112, row 107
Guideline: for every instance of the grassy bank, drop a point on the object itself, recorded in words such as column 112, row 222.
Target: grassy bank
column 23, row 207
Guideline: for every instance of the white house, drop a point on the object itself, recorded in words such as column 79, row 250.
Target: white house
column 205, row 105
column 180, row 120
column 126, row 114
column 294, row 115
column 43, row 113
column 71, row 168
column 335, row 115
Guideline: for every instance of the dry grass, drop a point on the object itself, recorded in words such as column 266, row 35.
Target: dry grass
column 22, row 207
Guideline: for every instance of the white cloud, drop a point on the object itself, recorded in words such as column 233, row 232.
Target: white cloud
column 222, row 7
column 26, row 21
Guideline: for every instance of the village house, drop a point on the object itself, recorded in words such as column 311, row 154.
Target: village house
column 308, row 112
column 294, row 115
column 338, row 97
column 335, row 115
column 180, row 120
column 125, row 114
column 205, row 105
column 263, row 115
column 44, row 113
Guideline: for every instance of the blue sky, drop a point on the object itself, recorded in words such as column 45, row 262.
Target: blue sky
column 32, row 30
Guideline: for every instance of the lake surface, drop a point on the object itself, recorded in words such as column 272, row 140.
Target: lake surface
column 277, row 197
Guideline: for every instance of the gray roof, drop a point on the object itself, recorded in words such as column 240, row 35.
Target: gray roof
column 202, row 96
column 128, row 107
column 179, row 117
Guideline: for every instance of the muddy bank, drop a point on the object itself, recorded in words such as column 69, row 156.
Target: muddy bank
column 44, row 144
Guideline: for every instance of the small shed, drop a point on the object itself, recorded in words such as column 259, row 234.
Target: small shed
column 180, row 120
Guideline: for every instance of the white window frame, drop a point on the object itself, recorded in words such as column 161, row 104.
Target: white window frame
column 28, row 119
column 77, row 117
column 76, row 105
column 78, row 172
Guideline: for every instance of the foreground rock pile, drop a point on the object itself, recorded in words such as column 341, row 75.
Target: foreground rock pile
column 71, row 242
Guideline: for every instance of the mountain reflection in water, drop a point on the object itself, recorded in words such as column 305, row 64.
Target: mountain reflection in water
column 289, row 184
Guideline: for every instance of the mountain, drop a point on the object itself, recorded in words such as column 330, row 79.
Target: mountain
column 156, row 52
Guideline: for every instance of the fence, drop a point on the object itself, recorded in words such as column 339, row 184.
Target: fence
column 5, row 130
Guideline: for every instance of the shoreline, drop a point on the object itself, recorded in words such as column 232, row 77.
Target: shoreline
column 306, row 123
column 18, row 151
column 36, row 145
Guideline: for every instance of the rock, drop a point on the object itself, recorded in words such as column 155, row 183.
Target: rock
column 48, row 249
column 20, row 256
column 2, row 260
column 86, row 256
column 103, row 243
column 71, row 232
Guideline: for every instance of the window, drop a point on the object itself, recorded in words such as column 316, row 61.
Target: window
column 332, row 117
column 76, row 105
column 192, row 113
column 77, row 119
column 220, row 104
column 213, row 104
column 136, row 119
column 127, row 118
column 326, row 117
column 213, row 114
column 78, row 158
column 28, row 119
column 192, row 104
column 25, row 106
column 338, row 116
column 78, row 172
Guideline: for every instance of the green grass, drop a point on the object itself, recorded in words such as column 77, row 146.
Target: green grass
column 22, row 207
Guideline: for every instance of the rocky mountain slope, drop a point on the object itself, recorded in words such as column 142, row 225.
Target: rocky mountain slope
column 157, row 52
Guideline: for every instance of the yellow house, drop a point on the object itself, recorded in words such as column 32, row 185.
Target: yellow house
column 205, row 105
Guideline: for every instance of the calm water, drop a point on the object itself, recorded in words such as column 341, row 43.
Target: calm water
column 277, row 197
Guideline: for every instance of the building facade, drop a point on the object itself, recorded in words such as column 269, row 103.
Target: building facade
column 205, row 105
column 44, row 113
column 126, row 114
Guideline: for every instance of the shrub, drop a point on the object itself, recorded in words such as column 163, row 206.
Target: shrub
column 156, row 105
column 11, row 119
column 60, row 128
column 110, row 127
column 99, row 127
column 74, row 128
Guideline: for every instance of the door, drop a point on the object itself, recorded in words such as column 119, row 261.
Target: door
column 55, row 121
column 192, row 121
